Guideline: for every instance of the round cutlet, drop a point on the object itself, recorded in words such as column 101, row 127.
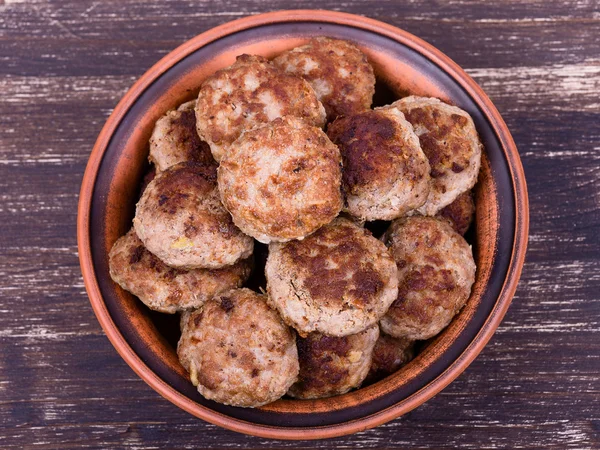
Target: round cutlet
column 449, row 140
column 338, row 281
column 337, row 70
column 389, row 355
column 181, row 220
column 281, row 181
column 248, row 93
column 435, row 270
column 163, row 288
column 385, row 174
column 175, row 140
column 460, row 212
column 238, row 351
column 333, row 365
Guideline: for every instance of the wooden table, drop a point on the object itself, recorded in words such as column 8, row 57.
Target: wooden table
column 63, row 67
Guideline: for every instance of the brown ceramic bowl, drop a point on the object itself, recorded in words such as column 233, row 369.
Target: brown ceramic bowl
column 403, row 64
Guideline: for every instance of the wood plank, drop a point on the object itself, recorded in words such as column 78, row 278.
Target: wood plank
column 89, row 38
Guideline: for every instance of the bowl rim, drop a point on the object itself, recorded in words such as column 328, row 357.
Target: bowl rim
column 426, row 392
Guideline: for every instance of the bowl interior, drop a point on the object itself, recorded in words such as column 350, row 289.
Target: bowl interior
column 400, row 70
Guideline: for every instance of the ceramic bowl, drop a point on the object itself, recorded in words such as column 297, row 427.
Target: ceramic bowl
column 403, row 64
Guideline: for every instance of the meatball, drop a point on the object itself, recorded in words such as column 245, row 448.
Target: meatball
column 175, row 140
column 460, row 212
column 436, row 271
column 181, row 220
column 163, row 288
column 251, row 92
column 338, row 281
column 449, row 140
column 150, row 175
column 238, row 351
column 333, row 365
column 385, row 174
column 389, row 355
column 337, row 70
column 281, row 181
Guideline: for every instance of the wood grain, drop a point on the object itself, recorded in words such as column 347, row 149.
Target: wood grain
column 64, row 66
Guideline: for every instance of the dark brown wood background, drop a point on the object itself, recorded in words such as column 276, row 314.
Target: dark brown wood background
column 63, row 67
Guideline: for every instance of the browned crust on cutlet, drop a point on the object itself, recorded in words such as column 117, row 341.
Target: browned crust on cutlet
column 176, row 187
column 176, row 140
column 385, row 172
column 460, row 212
column 238, row 350
column 181, row 220
column 166, row 289
column 368, row 147
column 449, row 139
column 389, row 355
column 333, row 365
column 329, row 58
column 337, row 281
column 281, row 181
column 343, row 247
column 228, row 103
column 197, row 149
column 451, row 154
column 175, row 192
column 436, row 271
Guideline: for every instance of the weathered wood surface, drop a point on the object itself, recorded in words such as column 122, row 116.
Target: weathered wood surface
column 63, row 67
